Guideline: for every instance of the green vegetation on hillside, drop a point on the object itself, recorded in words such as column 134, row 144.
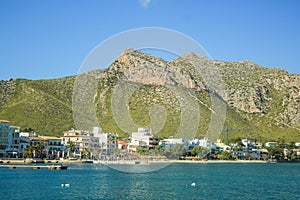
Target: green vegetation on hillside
column 43, row 105
column 261, row 102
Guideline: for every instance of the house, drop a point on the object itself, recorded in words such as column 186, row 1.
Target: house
column 271, row 144
column 107, row 141
column 204, row 143
column 144, row 139
column 53, row 147
column 89, row 144
column 132, row 148
column 171, row 142
column 122, row 145
column 221, row 146
column 24, row 142
column 246, row 142
column 9, row 136
column 77, row 138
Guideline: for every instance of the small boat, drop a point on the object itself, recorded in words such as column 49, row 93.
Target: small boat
column 64, row 167
column 60, row 167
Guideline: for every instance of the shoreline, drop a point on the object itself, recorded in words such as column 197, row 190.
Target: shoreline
column 33, row 161
column 38, row 161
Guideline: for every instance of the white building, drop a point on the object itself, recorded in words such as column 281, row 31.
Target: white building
column 206, row 143
column 221, row 146
column 9, row 136
column 246, row 142
column 143, row 139
column 27, row 134
column 53, row 147
column 24, row 142
column 106, row 141
column 171, row 142
column 94, row 143
column 79, row 138
column 271, row 144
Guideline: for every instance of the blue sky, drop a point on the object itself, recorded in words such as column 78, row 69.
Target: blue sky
column 49, row 39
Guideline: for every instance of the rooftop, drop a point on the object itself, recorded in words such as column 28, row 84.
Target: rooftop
column 37, row 138
column 50, row 138
column 4, row 121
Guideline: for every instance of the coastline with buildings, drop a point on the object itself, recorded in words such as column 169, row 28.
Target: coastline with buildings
column 143, row 146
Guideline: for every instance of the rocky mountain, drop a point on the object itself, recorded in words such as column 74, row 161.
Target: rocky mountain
column 143, row 90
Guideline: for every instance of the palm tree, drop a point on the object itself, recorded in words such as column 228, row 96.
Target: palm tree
column 29, row 151
column 110, row 139
column 178, row 150
column 71, row 146
column 102, row 146
column 86, row 153
column 39, row 150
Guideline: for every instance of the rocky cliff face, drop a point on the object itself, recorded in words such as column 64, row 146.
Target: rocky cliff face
column 7, row 89
column 263, row 98
column 251, row 88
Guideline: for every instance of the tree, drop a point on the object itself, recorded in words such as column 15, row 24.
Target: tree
column 86, row 153
column 29, row 151
column 29, row 130
column 102, row 145
column 178, row 150
column 111, row 141
column 199, row 151
column 276, row 152
column 158, row 150
column 142, row 151
column 291, row 145
column 40, row 150
column 71, row 146
column 168, row 152
column 294, row 156
column 225, row 155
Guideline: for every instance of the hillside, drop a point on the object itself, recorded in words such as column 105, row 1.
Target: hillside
column 43, row 105
column 260, row 102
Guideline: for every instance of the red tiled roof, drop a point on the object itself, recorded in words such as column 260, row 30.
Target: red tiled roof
column 122, row 143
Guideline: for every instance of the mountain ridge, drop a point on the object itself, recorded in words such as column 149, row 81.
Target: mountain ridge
column 264, row 99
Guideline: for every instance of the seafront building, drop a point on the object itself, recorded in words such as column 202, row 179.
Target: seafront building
column 89, row 144
column 77, row 142
column 144, row 138
column 106, row 141
column 171, row 142
column 271, row 144
column 81, row 144
column 220, row 146
column 53, row 147
column 9, row 136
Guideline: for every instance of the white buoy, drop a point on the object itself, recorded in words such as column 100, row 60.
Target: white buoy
column 67, row 185
column 62, row 185
column 193, row 184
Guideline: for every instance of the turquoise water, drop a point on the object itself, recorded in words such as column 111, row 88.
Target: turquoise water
column 213, row 181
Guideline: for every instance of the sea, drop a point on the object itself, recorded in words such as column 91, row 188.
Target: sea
column 175, row 181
